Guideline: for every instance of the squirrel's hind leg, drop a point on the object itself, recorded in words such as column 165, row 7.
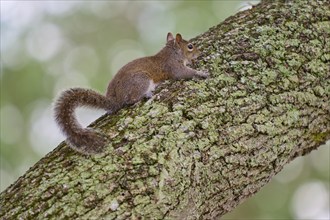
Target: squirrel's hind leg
column 137, row 88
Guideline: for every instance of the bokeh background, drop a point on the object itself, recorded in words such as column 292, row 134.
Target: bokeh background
column 49, row 46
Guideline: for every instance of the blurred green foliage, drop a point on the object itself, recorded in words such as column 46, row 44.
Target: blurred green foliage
column 49, row 46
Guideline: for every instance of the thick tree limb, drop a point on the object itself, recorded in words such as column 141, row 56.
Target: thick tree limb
column 200, row 148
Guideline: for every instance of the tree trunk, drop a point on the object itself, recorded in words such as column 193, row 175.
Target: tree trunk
column 200, row 147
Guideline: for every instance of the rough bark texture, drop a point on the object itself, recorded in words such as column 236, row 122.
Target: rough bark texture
column 200, row 148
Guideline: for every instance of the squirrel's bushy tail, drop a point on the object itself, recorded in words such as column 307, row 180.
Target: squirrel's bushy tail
column 84, row 140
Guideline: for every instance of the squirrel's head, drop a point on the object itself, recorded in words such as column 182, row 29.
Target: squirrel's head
column 187, row 49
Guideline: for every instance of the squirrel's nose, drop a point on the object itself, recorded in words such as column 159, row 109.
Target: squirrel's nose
column 197, row 55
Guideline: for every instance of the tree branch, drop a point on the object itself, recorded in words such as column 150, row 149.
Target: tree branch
column 199, row 148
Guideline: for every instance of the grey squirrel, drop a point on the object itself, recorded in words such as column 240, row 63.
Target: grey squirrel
column 134, row 81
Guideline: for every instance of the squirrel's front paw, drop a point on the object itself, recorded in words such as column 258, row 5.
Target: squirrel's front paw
column 203, row 74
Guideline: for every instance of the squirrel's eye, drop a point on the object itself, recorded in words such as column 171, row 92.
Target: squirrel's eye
column 190, row 46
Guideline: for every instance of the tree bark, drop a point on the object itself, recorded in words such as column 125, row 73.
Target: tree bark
column 201, row 147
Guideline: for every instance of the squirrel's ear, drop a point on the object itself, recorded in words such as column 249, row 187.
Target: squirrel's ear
column 169, row 36
column 178, row 37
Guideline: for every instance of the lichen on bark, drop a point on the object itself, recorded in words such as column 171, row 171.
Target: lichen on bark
column 200, row 147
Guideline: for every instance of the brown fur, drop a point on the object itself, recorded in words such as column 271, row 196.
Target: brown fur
column 127, row 87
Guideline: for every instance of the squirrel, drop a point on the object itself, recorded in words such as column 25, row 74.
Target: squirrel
column 133, row 82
